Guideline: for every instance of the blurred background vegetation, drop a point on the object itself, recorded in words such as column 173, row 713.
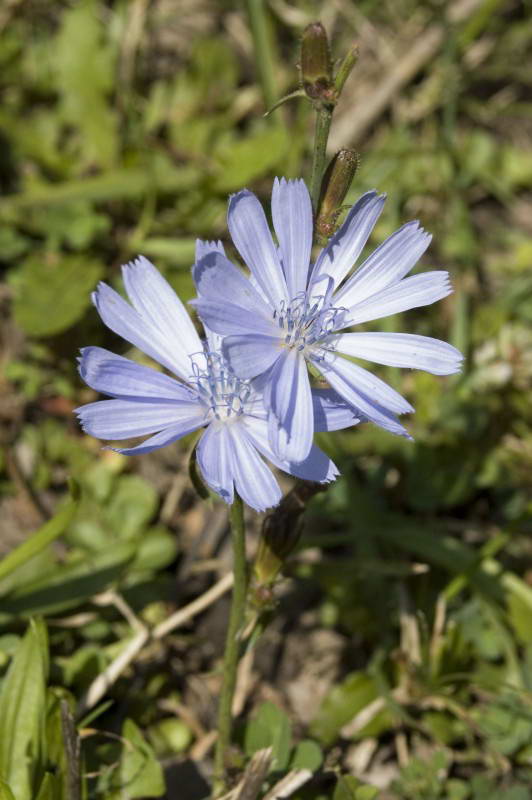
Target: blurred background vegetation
column 399, row 662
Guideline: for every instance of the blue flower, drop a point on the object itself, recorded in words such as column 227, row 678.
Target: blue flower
column 290, row 312
column 206, row 394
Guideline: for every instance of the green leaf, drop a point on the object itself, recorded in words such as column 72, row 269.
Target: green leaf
column 5, row 791
column 243, row 161
column 173, row 251
column 132, row 504
column 52, row 292
column 41, row 538
column 342, row 703
column 85, row 74
column 350, row 788
column 50, row 788
column 156, row 549
column 72, row 584
column 22, row 713
column 139, row 773
column 307, row 755
column 270, row 728
column 134, row 182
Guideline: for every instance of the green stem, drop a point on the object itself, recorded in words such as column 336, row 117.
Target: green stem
column 263, row 50
column 232, row 642
column 321, row 135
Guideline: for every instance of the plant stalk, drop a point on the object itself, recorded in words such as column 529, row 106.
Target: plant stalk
column 232, row 643
column 263, row 50
column 321, row 135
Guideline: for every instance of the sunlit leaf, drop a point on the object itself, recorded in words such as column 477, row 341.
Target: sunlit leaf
column 22, row 712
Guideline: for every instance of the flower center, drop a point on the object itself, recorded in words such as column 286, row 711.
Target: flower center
column 304, row 323
column 224, row 394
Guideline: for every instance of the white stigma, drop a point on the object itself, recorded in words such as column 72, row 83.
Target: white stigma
column 222, row 392
column 303, row 324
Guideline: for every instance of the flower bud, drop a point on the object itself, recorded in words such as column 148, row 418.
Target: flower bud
column 280, row 535
column 335, row 185
column 316, row 67
column 276, row 544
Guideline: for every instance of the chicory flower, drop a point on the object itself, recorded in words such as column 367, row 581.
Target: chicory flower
column 290, row 312
column 205, row 393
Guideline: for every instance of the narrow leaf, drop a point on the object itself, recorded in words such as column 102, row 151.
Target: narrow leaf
column 41, row 538
column 22, row 713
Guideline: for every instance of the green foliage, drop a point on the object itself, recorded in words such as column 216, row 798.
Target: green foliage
column 41, row 538
column 115, row 142
column 138, row 774
column 342, row 704
column 52, row 293
column 23, row 743
column 5, row 791
column 349, row 788
column 84, row 65
column 271, row 727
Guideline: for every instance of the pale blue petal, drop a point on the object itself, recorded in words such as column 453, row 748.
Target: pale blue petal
column 251, row 354
column 418, row 290
column 214, row 340
column 253, row 240
column 214, row 455
column 203, row 248
column 125, row 321
column 254, row 480
column 331, row 412
column 402, row 350
column 317, row 466
column 228, row 319
column 161, row 309
column 124, row 419
column 368, row 395
column 293, row 223
column 116, row 376
column 291, row 419
column 341, row 253
column 390, row 262
column 165, row 437
column 218, row 280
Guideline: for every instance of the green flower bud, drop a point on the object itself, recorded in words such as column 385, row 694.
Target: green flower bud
column 281, row 532
column 335, row 185
column 316, row 67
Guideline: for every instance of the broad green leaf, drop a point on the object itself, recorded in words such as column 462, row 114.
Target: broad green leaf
column 131, row 505
column 270, row 728
column 22, row 713
column 41, row 538
column 139, row 773
column 156, row 549
column 307, row 755
column 52, row 291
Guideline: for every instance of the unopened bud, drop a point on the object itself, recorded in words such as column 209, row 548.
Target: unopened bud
column 276, row 543
column 316, row 67
column 281, row 532
column 335, row 185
